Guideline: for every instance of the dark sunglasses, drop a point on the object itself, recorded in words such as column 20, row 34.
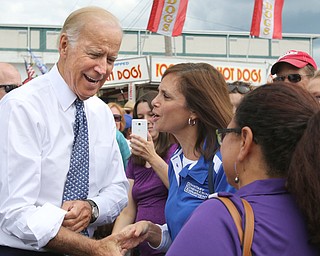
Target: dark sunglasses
column 238, row 88
column 222, row 132
column 117, row 118
column 293, row 78
column 8, row 87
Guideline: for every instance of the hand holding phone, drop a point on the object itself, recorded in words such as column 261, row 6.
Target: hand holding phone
column 140, row 128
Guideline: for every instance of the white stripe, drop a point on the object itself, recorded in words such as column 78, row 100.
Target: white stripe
column 217, row 163
column 267, row 19
column 177, row 165
column 168, row 17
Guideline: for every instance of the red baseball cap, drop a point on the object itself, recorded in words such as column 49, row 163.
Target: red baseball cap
column 296, row 58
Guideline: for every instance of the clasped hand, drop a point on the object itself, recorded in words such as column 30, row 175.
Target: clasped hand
column 78, row 215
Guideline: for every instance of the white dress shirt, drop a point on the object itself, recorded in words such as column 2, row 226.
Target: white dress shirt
column 36, row 136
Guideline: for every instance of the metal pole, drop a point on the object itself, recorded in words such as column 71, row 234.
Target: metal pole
column 168, row 46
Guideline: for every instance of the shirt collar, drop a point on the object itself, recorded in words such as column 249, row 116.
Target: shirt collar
column 263, row 187
column 64, row 94
column 198, row 171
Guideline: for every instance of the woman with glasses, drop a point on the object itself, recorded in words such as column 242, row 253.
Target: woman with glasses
column 237, row 90
column 147, row 174
column 270, row 152
column 192, row 102
column 118, row 115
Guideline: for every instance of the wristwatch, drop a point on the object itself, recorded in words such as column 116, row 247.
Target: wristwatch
column 94, row 210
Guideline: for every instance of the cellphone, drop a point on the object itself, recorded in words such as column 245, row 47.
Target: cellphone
column 140, row 128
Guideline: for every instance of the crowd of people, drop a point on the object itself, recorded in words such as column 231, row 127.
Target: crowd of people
column 70, row 164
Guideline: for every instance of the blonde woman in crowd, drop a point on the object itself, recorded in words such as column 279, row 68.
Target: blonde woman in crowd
column 118, row 115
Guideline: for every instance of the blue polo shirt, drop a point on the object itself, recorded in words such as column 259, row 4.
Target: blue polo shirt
column 189, row 188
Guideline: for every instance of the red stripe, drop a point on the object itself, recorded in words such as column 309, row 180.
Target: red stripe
column 155, row 15
column 277, row 30
column 256, row 18
column 181, row 17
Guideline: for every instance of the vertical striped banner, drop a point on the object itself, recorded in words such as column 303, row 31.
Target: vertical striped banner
column 267, row 19
column 167, row 17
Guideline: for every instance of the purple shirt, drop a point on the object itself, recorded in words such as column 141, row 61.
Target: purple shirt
column 150, row 195
column 279, row 226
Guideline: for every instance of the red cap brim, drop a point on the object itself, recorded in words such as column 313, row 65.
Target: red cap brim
column 293, row 62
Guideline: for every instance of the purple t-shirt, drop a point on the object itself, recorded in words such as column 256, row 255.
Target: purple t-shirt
column 279, row 225
column 150, row 195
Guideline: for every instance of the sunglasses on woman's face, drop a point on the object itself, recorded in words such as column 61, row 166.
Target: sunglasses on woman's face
column 117, row 118
column 232, row 88
column 293, row 78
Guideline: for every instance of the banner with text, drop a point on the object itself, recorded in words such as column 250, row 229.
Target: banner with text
column 267, row 19
column 131, row 70
column 167, row 17
column 254, row 73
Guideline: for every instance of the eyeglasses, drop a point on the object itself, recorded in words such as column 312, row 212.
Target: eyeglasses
column 293, row 78
column 117, row 118
column 222, row 132
column 9, row 87
column 243, row 89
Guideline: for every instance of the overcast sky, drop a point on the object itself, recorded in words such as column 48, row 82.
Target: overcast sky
column 298, row 16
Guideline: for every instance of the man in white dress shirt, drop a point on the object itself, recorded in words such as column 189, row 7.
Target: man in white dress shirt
column 36, row 140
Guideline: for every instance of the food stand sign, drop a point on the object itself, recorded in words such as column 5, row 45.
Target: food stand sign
column 126, row 71
column 254, row 73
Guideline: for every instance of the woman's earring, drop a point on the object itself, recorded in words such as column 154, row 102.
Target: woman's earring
column 192, row 122
column 236, row 179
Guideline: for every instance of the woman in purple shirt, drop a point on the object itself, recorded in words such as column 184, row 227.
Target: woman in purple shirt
column 271, row 153
column 147, row 174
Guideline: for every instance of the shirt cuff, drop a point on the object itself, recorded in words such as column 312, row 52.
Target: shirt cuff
column 165, row 239
column 39, row 224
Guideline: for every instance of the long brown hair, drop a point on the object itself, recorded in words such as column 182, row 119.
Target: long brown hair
column 206, row 94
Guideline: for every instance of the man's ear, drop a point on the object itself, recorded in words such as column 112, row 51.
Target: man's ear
column 63, row 44
column 246, row 142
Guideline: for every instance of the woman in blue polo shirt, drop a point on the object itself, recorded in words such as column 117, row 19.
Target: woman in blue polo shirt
column 191, row 104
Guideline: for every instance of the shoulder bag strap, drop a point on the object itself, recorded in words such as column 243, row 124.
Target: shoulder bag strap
column 245, row 237
column 210, row 177
column 234, row 214
column 249, row 228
